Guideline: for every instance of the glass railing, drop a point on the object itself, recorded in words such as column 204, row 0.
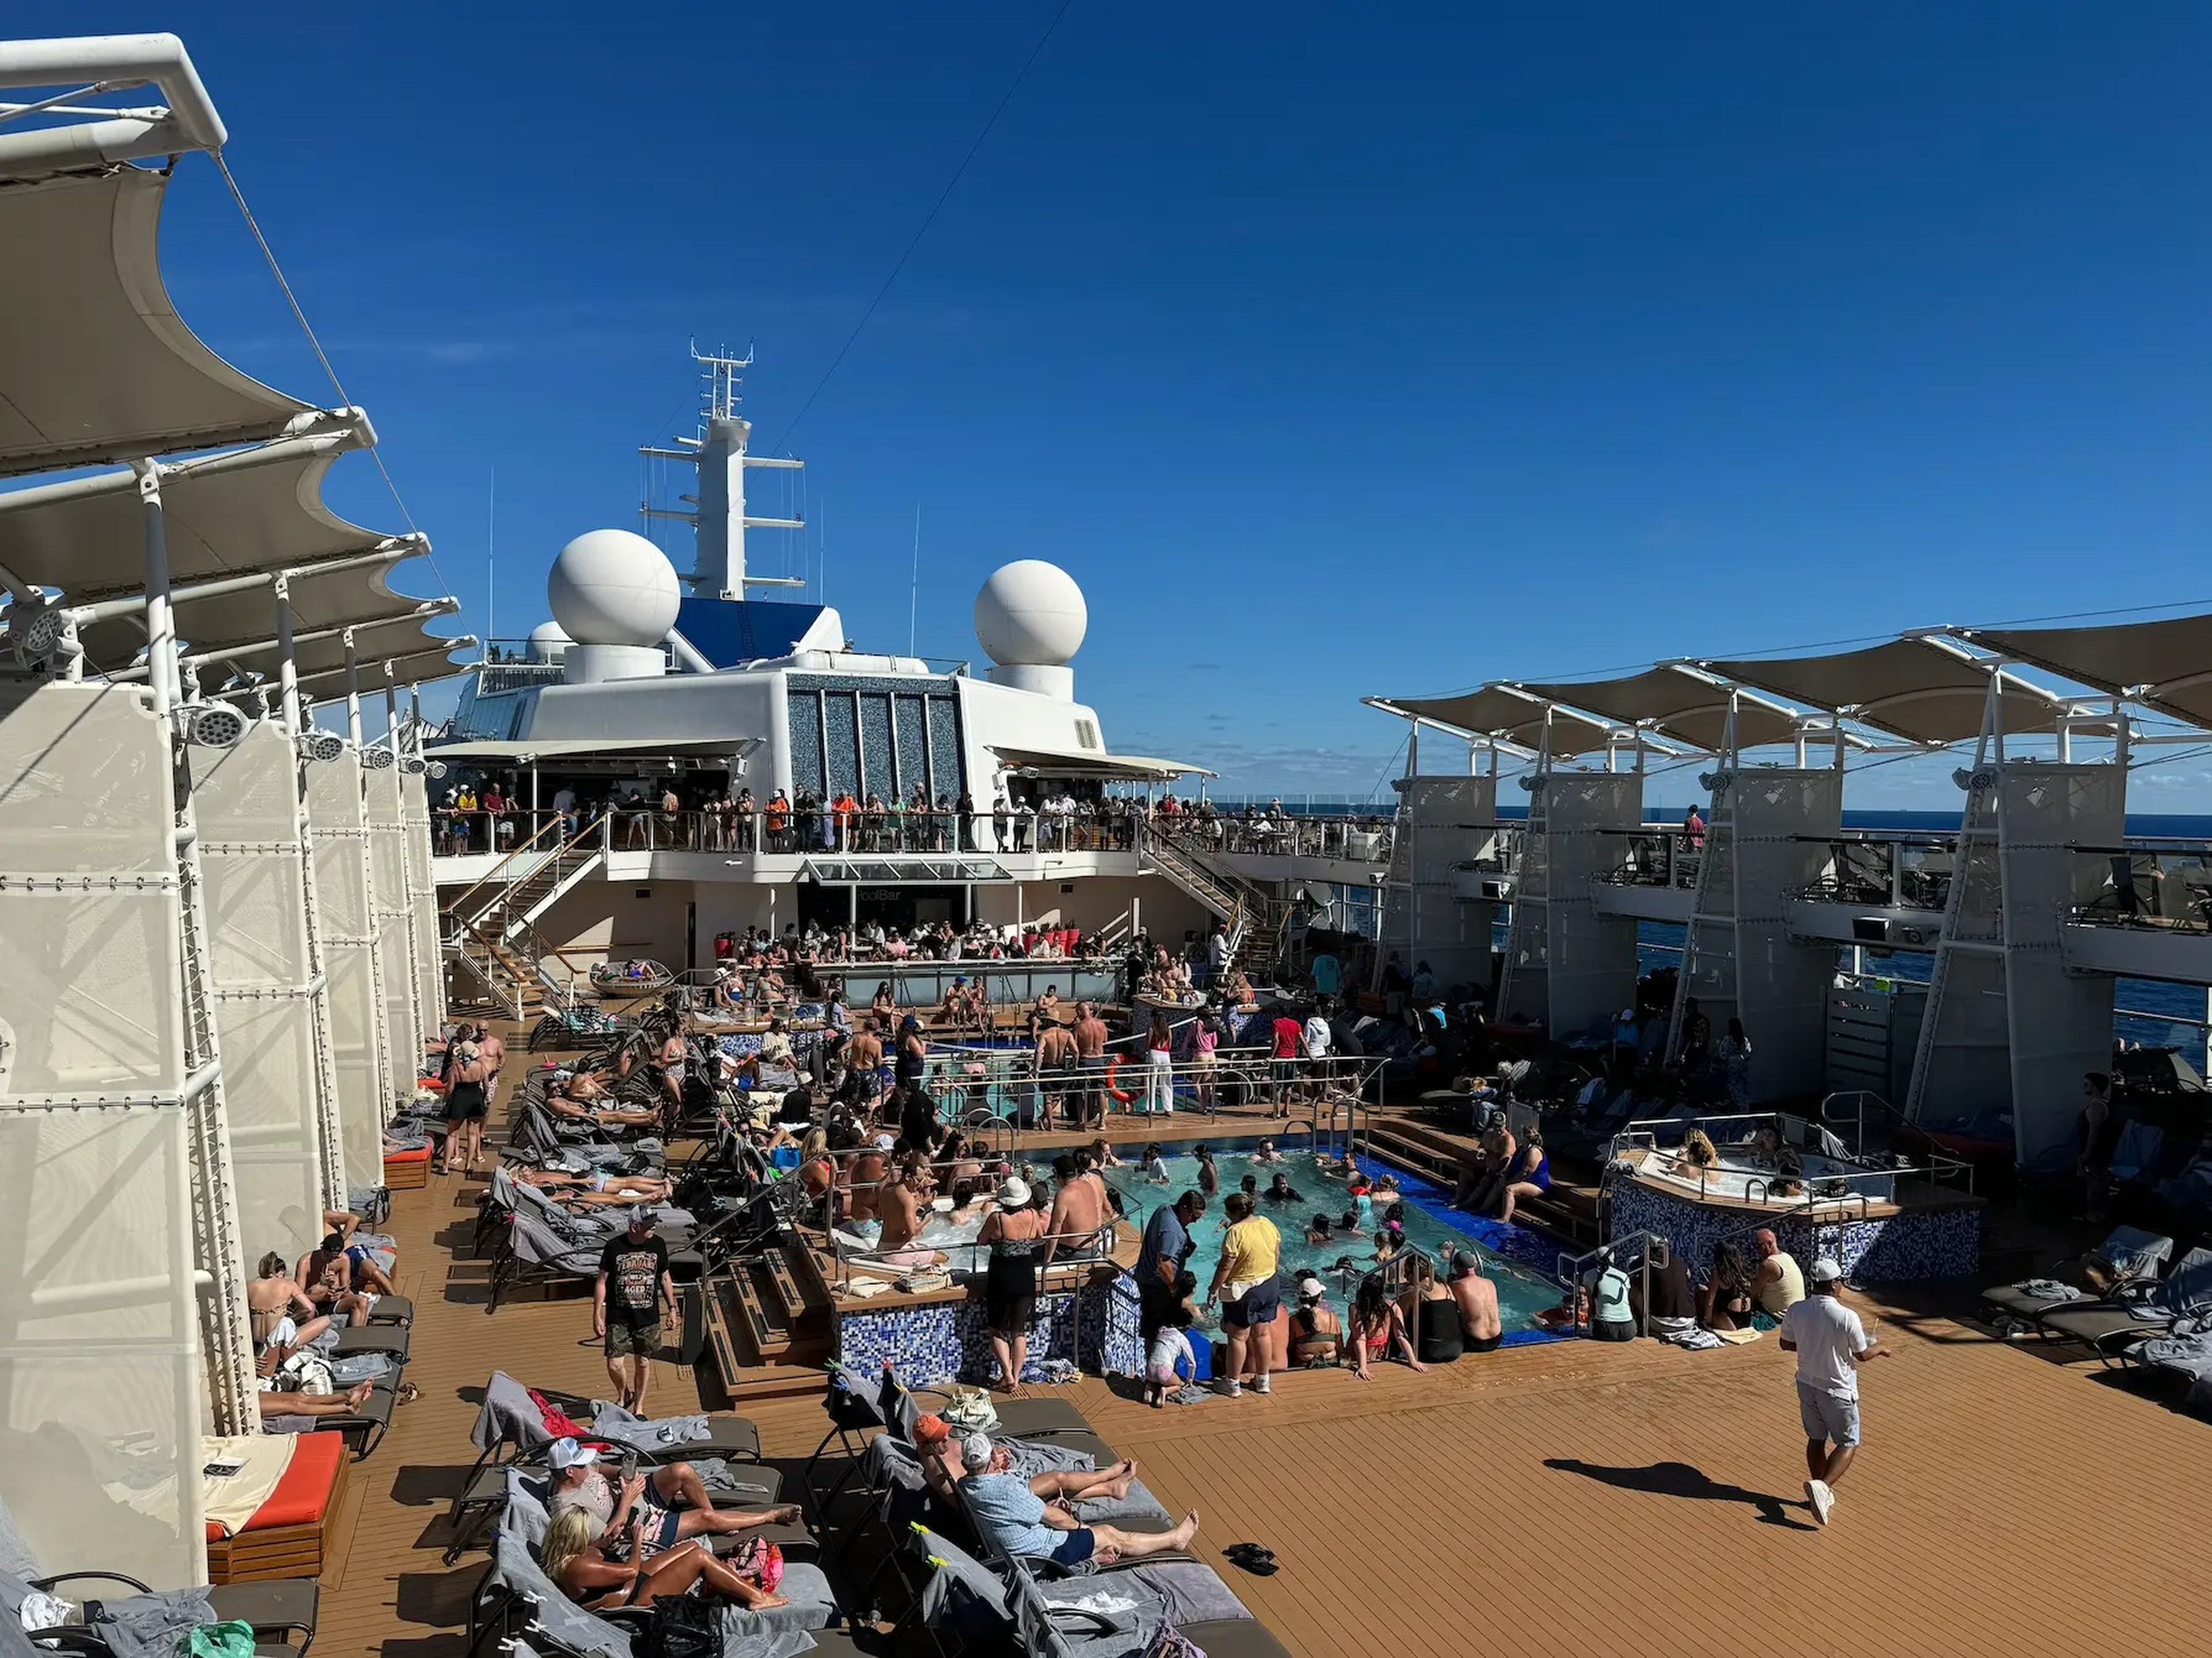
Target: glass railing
column 2165, row 885
column 1358, row 840
column 1890, row 873
column 1658, row 858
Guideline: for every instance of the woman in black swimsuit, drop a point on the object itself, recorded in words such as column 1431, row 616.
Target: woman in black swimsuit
column 1015, row 1236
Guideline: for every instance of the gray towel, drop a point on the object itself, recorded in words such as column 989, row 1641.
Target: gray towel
column 611, row 1422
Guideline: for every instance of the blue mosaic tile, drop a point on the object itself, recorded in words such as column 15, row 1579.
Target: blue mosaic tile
column 1915, row 1245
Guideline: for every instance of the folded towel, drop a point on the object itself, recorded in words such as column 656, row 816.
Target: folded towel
column 1692, row 1339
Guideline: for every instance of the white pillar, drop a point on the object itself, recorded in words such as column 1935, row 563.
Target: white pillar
column 288, row 669
column 353, row 690
column 161, row 615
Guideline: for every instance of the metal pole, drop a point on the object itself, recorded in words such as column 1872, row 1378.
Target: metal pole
column 353, row 688
column 288, row 667
column 161, row 614
column 392, row 709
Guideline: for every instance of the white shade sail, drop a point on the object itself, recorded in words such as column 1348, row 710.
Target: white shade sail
column 1678, row 704
column 1507, row 713
column 418, row 667
column 2167, row 666
column 1911, row 688
column 95, row 365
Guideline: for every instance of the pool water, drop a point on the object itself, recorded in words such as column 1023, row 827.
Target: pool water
column 1521, row 1292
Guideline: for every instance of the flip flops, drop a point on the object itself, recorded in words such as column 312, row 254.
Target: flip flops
column 1254, row 1557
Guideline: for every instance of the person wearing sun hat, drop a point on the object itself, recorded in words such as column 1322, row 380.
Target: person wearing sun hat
column 1831, row 1344
column 1014, row 1233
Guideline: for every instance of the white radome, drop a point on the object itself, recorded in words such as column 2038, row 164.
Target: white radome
column 1030, row 614
column 547, row 641
column 613, row 587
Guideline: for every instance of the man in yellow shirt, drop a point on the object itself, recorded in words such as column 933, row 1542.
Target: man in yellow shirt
column 1244, row 1285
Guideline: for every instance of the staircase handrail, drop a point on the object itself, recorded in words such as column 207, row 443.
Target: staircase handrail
column 512, row 878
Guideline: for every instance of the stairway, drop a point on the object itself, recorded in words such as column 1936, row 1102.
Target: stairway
column 494, row 935
column 1255, row 915
column 768, row 1322
column 1569, row 1212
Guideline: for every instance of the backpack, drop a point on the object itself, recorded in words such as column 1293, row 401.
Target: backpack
column 683, row 1626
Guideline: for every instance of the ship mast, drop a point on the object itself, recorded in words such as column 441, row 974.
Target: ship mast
column 719, row 452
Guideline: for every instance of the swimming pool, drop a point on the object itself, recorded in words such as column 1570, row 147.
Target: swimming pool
column 1521, row 1290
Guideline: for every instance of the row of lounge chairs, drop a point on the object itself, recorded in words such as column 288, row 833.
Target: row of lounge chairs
column 969, row 1598
column 2130, row 1302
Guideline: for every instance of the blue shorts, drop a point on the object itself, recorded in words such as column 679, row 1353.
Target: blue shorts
column 1257, row 1305
column 1074, row 1548
column 1827, row 1417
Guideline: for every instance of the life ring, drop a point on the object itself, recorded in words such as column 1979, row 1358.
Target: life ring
column 1113, row 1065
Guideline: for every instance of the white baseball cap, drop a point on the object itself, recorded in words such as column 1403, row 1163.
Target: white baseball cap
column 1825, row 1270
column 566, row 1454
column 975, row 1453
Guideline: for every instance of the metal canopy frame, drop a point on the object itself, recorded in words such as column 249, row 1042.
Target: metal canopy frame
column 909, row 869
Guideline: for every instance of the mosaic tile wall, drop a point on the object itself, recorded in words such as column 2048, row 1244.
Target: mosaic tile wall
column 1917, row 1244
column 1095, row 1329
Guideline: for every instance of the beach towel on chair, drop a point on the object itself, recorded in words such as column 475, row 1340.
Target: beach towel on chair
column 611, row 1422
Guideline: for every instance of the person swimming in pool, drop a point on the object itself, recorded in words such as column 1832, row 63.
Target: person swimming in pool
column 1391, row 1241
column 1319, row 1229
column 1155, row 1166
column 1279, row 1190
column 1267, row 1153
column 1348, row 1224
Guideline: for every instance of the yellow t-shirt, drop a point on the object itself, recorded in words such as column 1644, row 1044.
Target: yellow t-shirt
column 1252, row 1250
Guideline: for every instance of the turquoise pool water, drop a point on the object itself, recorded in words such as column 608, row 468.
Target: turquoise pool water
column 1342, row 1261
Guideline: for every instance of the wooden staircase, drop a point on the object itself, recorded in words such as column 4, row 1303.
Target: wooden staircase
column 1569, row 1211
column 768, row 1323
column 494, row 937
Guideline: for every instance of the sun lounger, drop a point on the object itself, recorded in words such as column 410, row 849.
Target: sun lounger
column 510, row 1429
column 282, row 1614
column 2129, row 1254
column 2110, row 1328
column 1018, row 1418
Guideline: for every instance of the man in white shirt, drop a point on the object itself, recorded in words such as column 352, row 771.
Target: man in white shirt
column 1831, row 1344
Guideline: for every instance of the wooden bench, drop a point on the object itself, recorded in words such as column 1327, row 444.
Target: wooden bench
column 286, row 1536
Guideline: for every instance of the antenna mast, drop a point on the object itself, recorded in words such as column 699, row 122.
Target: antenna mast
column 717, row 512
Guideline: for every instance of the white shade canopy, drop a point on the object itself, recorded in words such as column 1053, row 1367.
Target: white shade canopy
column 95, row 365
column 1678, row 703
column 1509, row 713
column 2166, row 665
column 1915, row 688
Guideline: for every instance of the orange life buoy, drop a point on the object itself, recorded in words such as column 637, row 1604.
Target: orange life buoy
column 1113, row 1065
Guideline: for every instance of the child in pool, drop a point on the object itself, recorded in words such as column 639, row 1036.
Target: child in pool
column 1156, row 1166
column 1319, row 1229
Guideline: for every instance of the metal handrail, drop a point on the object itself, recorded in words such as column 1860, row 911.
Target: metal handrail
column 453, row 905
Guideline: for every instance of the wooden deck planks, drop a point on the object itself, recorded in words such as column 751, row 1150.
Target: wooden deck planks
column 1552, row 1501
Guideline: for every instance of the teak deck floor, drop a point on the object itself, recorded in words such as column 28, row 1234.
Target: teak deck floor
column 1565, row 1500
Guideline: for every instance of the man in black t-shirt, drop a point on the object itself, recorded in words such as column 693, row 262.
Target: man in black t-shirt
column 633, row 1286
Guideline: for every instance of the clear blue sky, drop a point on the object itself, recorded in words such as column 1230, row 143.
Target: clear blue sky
column 1335, row 349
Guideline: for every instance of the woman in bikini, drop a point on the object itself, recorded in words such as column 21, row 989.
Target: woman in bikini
column 575, row 1560
column 1378, row 1329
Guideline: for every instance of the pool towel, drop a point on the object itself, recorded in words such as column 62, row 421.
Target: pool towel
column 232, row 1501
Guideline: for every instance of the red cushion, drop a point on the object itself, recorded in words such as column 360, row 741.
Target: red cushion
column 303, row 1494
column 420, row 1154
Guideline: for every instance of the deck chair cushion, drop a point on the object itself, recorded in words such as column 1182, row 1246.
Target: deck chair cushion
column 1192, row 1591
column 564, row 1623
column 809, row 1604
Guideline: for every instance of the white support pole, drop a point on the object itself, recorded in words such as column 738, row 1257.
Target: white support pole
column 353, row 688
column 287, row 666
column 161, row 614
column 226, row 1337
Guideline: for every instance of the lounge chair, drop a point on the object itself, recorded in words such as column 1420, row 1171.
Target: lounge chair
column 516, row 1598
column 2182, row 1355
column 1018, row 1418
column 277, row 1611
column 2110, row 1328
column 510, row 1429
column 2129, row 1256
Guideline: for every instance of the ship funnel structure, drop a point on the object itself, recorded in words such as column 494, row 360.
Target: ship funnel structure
column 1031, row 619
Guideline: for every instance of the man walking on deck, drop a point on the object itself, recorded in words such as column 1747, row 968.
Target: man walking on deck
column 633, row 1285
column 1831, row 1344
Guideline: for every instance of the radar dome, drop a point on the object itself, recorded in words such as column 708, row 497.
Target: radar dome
column 1030, row 614
column 613, row 587
column 547, row 641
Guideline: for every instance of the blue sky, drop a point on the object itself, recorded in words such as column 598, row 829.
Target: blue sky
column 1335, row 350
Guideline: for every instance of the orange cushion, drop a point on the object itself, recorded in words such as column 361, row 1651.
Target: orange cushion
column 420, row 1154
column 304, row 1493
